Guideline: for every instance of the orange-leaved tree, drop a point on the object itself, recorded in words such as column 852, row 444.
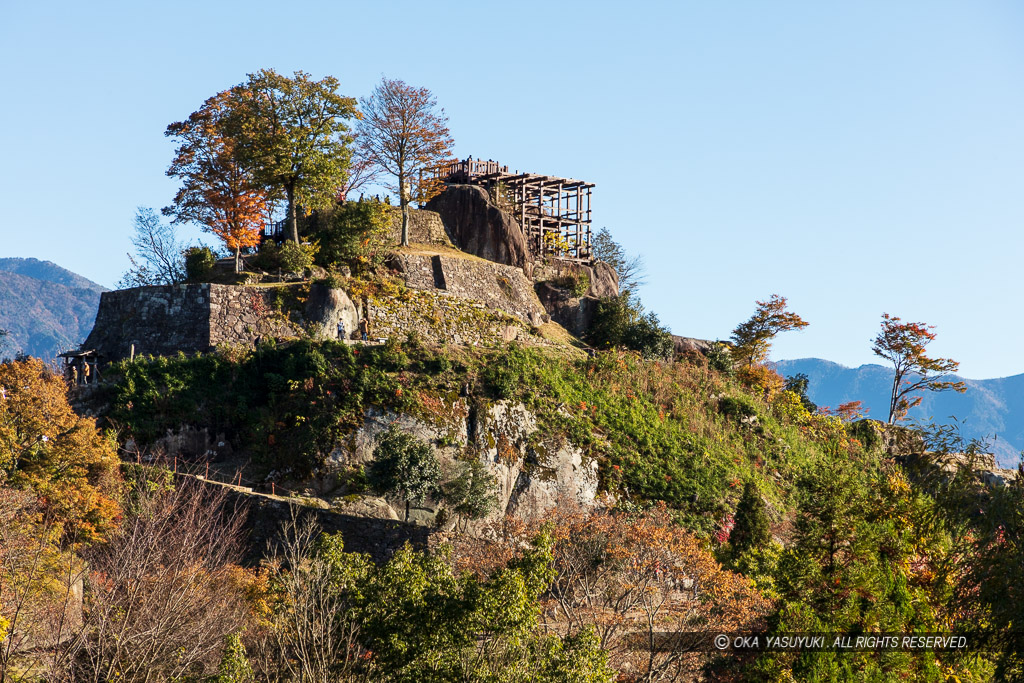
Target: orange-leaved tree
column 903, row 344
column 48, row 450
column 404, row 133
column 752, row 340
column 217, row 191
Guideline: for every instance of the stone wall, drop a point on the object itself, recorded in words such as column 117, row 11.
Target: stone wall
column 440, row 317
column 242, row 315
column 496, row 286
column 425, row 227
column 193, row 318
column 157, row 320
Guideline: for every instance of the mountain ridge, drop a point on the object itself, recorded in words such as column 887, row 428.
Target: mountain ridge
column 990, row 409
column 46, row 309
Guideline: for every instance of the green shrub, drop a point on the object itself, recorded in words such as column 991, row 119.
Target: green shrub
column 333, row 280
column 736, row 406
column 295, row 258
column 199, row 262
column 404, row 466
column 353, row 233
column 720, row 358
column 621, row 321
column 472, row 491
column 287, row 256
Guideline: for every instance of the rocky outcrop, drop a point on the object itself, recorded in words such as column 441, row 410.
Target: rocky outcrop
column 573, row 313
column 534, row 472
column 330, row 313
column 691, row 346
column 570, row 292
column 476, row 226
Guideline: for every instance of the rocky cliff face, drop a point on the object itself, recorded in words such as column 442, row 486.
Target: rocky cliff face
column 535, row 472
column 478, row 227
column 573, row 310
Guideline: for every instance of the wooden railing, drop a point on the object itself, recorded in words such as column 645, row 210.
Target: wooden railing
column 469, row 169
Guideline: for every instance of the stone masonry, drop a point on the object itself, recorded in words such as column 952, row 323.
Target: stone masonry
column 163, row 320
column 498, row 287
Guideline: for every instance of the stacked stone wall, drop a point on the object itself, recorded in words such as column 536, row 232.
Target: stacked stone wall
column 163, row 320
column 242, row 315
column 425, row 227
column 156, row 320
column 442, row 318
column 497, row 287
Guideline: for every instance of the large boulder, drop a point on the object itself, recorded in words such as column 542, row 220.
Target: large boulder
column 573, row 313
column 329, row 311
column 476, row 226
column 691, row 346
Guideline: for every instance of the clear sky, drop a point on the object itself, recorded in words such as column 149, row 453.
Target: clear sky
column 857, row 157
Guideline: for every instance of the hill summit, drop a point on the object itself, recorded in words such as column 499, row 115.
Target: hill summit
column 45, row 309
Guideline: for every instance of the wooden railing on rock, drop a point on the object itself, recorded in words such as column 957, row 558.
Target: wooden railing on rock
column 554, row 212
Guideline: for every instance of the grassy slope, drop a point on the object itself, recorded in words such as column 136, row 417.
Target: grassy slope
column 674, row 432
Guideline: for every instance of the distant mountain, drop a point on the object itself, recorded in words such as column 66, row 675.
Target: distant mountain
column 46, row 309
column 991, row 408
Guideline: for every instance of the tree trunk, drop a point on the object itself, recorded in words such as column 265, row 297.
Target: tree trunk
column 292, row 218
column 403, row 201
column 405, row 222
column 238, row 259
column 893, row 398
column 407, row 510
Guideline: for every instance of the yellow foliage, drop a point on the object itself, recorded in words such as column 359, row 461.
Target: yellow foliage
column 47, row 449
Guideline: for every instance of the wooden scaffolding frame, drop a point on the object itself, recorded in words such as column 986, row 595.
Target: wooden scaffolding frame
column 555, row 213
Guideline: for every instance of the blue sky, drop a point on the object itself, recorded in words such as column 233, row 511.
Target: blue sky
column 855, row 157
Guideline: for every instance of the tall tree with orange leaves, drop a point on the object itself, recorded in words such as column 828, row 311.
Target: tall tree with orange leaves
column 217, row 191
column 752, row 339
column 404, row 133
column 903, row 345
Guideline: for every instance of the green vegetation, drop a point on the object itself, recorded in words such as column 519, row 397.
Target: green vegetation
column 404, row 466
column 621, row 322
column 353, row 233
column 199, row 263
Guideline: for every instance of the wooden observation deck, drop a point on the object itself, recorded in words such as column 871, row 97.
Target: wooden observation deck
column 554, row 212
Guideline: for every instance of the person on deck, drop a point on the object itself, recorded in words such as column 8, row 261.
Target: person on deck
column 364, row 328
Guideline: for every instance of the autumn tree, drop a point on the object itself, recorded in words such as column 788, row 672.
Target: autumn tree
column 752, row 340
column 903, row 345
column 165, row 589
column 291, row 134
column 218, row 192
column 404, row 133
column 47, row 449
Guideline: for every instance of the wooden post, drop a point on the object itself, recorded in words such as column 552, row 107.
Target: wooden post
column 272, row 489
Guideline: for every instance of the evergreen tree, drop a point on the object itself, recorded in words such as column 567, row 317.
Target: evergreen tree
column 404, row 466
column 752, row 528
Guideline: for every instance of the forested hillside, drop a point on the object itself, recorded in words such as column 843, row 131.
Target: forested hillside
column 45, row 309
